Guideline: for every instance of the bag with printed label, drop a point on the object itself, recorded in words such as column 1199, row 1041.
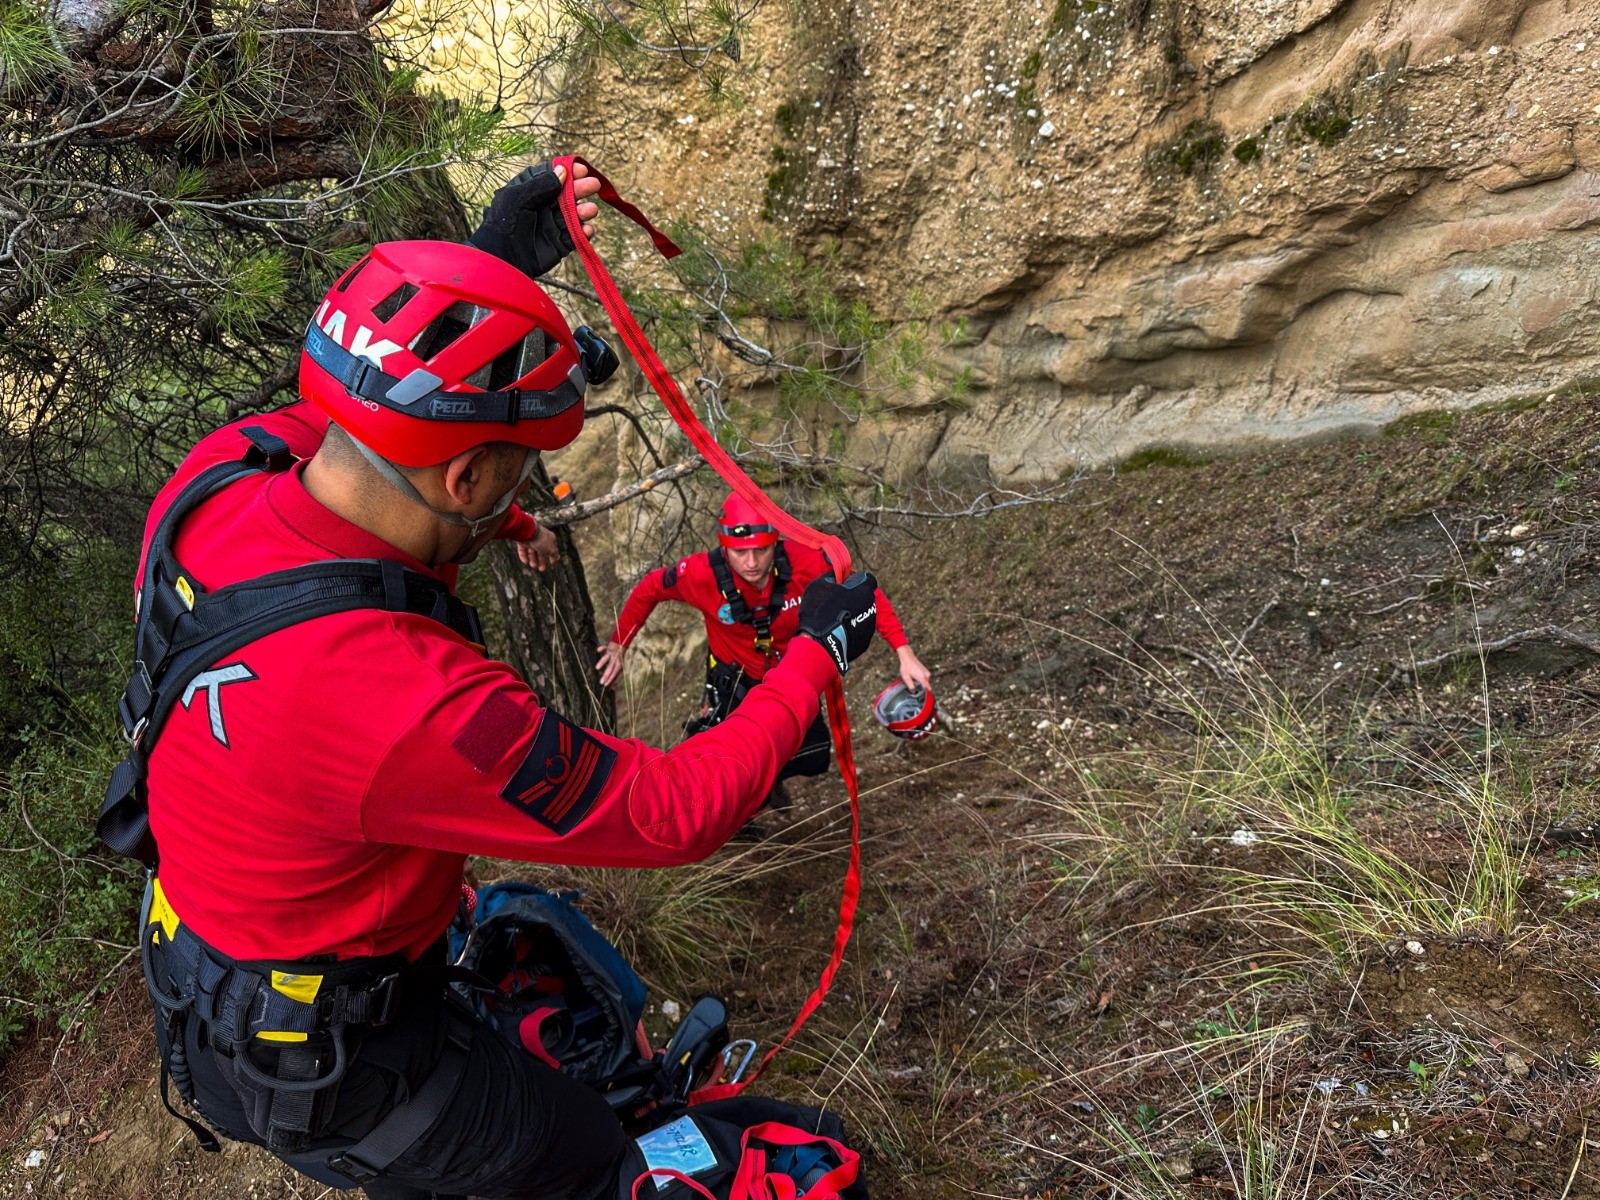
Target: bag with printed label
column 744, row 1149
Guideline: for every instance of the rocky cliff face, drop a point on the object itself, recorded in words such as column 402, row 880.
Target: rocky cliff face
column 1172, row 223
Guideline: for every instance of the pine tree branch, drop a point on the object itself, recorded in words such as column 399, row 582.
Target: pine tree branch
column 142, row 206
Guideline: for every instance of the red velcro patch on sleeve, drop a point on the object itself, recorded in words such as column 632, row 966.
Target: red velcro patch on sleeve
column 563, row 775
column 491, row 732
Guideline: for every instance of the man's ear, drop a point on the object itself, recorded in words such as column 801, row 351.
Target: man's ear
column 466, row 473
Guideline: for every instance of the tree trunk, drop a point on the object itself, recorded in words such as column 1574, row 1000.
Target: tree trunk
column 549, row 624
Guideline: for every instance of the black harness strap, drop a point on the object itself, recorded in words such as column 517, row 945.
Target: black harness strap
column 739, row 609
column 405, row 1124
column 183, row 629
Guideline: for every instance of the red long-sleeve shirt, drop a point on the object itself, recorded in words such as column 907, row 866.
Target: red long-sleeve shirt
column 322, row 799
column 691, row 581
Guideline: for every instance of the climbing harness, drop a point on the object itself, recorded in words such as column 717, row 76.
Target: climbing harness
column 739, row 611
column 787, row 526
column 280, row 1030
column 283, row 1033
column 725, row 688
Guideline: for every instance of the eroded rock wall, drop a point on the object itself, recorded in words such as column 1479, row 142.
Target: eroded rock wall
column 1172, row 223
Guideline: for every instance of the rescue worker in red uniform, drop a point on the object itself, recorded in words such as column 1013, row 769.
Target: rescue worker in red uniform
column 748, row 591
column 314, row 786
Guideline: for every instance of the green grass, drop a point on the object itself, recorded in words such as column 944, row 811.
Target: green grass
column 67, row 910
column 66, row 913
column 1333, row 883
column 1258, row 1130
column 1295, row 825
column 1161, row 456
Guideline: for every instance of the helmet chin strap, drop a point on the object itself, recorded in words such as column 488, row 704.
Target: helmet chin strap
column 397, row 480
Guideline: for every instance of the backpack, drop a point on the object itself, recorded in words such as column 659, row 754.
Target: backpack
column 567, row 996
column 563, row 993
column 743, row 1149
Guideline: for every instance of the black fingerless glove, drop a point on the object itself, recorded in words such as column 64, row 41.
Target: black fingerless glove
column 841, row 617
column 523, row 224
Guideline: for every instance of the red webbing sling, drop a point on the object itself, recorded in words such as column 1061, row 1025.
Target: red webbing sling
column 790, row 527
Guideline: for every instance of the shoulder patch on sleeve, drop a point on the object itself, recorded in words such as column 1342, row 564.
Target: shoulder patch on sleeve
column 559, row 781
column 491, row 732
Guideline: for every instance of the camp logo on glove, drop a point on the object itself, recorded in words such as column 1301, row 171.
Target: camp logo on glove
column 837, row 643
column 841, row 617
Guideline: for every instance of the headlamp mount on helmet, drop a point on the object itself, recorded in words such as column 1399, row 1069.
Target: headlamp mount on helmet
column 742, row 526
column 599, row 360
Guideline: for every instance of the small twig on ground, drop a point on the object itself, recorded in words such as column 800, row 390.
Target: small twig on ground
column 1388, row 608
column 1434, row 585
column 1555, row 633
column 1577, row 1161
column 1185, row 652
column 1238, row 646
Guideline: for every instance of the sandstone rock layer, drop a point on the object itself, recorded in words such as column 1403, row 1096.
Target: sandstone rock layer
column 1171, row 223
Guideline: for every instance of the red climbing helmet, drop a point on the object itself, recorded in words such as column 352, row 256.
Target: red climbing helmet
column 425, row 349
column 910, row 713
column 742, row 527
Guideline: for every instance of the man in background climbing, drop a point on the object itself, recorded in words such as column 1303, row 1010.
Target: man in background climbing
column 317, row 740
column 748, row 591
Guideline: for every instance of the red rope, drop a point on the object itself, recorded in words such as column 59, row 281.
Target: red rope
column 666, row 387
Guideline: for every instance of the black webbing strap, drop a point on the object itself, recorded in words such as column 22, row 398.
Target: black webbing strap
column 175, row 1070
column 739, row 608
column 171, row 1011
column 289, row 1117
column 406, row 1123
column 183, row 629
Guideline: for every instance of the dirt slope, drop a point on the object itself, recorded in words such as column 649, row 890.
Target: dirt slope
column 1067, row 971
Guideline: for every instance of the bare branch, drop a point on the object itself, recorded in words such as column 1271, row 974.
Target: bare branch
column 568, row 514
column 67, row 248
column 261, row 396
column 1552, row 633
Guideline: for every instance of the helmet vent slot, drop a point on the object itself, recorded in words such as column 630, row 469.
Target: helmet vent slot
column 391, row 304
column 350, row 276
column 441, row 332
column 514, row 362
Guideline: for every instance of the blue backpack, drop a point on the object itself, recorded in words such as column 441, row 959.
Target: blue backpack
column 564, row 993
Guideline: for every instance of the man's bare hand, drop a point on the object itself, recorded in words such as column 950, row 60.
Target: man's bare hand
column 610, row 663
column 912, row 673
column 540, row 551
